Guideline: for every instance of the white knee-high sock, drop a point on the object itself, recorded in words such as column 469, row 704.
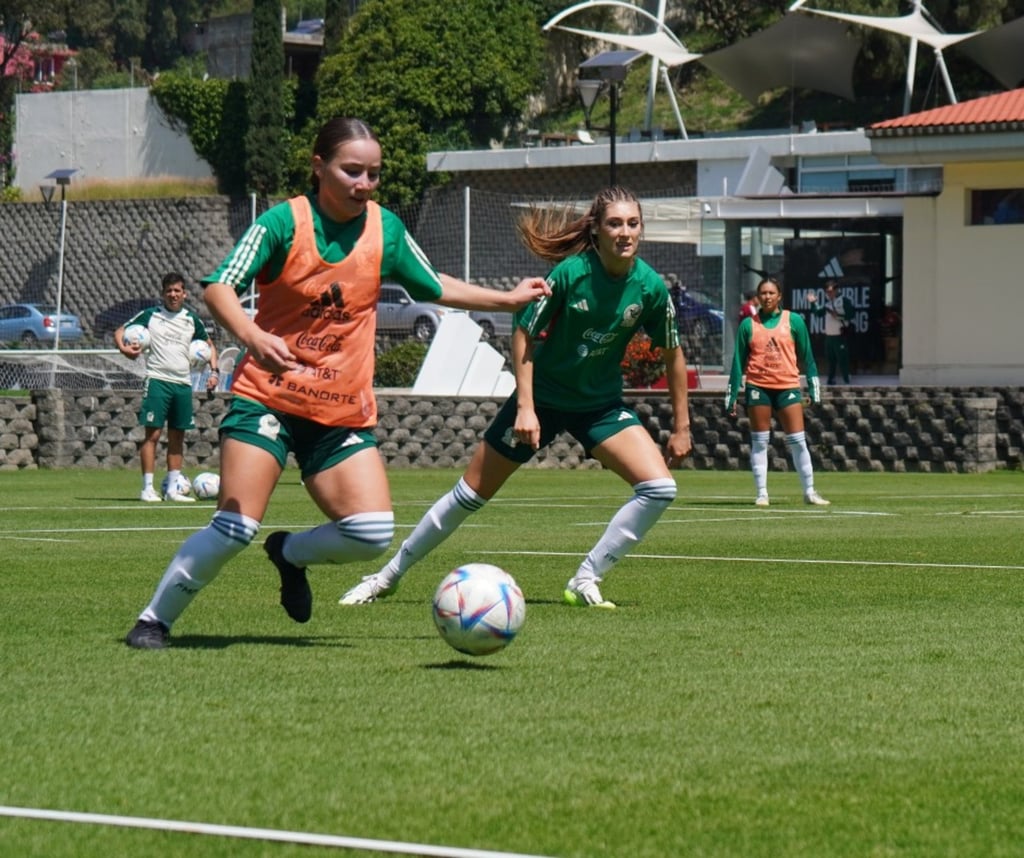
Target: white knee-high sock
column 759, row 460
column 362, row 536
column 198, row 561
column 627, row 527
column 801, row 456
column 439, row 522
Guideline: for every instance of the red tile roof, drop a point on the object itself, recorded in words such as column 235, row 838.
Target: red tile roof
column 1001, row 112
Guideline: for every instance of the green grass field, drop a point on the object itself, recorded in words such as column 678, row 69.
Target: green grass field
column 784, row 682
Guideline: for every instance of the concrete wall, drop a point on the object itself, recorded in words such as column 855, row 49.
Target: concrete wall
column 856, row 429
column 104, row 134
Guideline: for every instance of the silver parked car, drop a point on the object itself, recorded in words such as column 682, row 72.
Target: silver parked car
column 32, row 324
column 398, row 313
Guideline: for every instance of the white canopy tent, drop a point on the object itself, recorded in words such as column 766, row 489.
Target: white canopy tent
column 661, row 45
column 915, row 27
column 798, row 52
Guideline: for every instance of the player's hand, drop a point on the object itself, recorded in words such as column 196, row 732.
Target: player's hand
column 812, row 297
column 271, row 352
column 680, row 445
column 528, row 290
column 527, row 428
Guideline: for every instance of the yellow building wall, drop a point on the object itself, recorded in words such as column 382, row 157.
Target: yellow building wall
column 963, row 289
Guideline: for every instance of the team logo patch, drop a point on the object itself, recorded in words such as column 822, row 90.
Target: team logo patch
column 270, row 426
column 631, row 315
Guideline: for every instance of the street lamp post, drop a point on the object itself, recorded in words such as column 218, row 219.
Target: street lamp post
column 63, row 178
column 610, row 68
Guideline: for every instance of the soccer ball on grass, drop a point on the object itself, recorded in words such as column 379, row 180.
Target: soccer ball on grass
column 478, row 609
column 206, row 486
column 182, row 485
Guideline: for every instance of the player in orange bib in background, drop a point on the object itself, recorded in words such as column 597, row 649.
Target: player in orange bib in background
column 305, row 386
column 770, row 346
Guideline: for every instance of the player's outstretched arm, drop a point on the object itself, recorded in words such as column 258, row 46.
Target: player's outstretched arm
column 468, row 296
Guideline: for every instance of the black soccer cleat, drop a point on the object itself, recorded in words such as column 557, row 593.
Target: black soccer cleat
column 148, row 634
column 296, row 594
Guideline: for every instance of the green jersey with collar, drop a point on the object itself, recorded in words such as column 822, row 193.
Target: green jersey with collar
column 583, row 328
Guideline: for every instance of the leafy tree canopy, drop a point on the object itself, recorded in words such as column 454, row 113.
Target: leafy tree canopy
column 429, row 74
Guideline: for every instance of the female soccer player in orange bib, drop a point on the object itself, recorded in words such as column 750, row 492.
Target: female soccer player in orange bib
column 770, row 347
column 305, row 386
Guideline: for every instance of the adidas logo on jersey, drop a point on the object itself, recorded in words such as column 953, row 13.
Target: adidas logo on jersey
column 330, row 305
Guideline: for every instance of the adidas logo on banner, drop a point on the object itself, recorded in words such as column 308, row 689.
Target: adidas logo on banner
column 832, row 270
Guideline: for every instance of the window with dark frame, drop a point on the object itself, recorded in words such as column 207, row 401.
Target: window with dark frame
column 996, row 206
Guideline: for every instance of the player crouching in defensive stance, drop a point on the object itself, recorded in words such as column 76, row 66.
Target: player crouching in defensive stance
column 570, row 380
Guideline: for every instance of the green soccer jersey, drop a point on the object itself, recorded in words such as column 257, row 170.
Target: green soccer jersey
column 583, row 328
column 265, row 245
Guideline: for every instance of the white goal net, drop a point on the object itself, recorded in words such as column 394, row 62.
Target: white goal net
column 74, row 369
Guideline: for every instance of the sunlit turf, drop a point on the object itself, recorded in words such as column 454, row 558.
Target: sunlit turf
column 783, row 681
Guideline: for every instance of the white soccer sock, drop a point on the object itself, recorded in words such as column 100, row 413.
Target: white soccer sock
column 147, row 481
column 801, row 456
column 198, row 561
column 759, row 460
column 627, row 527
column 439, row 522
column 362, row 536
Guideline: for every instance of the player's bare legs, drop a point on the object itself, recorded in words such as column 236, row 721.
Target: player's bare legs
column 487, row 473
column 248, row 476
column 636, row 458
column 355, row 497
column 147, row 460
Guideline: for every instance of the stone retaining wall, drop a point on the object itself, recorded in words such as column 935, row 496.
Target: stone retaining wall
column 855, row 429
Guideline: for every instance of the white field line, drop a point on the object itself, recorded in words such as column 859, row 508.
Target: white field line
column 240, row 832
column 788, row 561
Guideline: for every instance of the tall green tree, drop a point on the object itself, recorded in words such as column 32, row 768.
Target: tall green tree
column 336, row 14
column 265, row 139
column 430, row 74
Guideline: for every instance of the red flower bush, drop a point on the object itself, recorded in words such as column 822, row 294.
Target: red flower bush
column 642, row 364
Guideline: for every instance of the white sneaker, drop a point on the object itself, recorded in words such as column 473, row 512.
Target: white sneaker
column 179, row 498
column 585, row 594
column 370, row 589
column 761, row 500
column 814, row 499
column 149, row 495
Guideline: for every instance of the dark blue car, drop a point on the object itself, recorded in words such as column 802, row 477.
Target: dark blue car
column 701, row 323
column 698, row 315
